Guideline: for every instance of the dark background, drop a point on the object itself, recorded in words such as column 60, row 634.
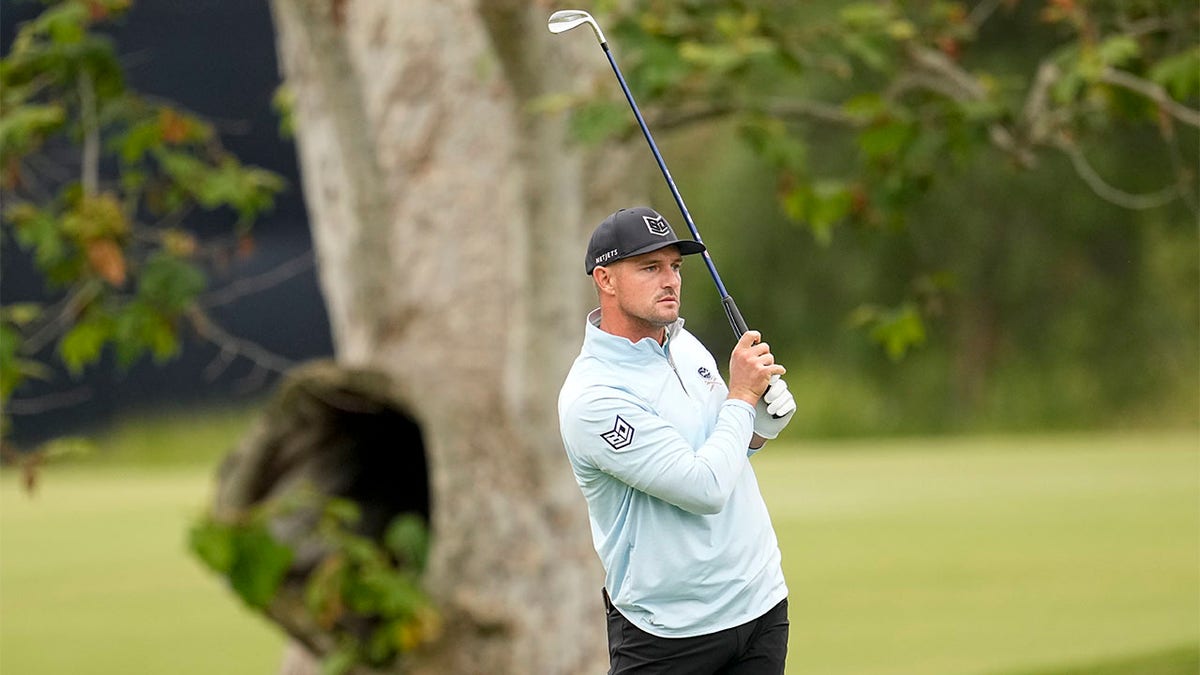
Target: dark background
column 216, row 58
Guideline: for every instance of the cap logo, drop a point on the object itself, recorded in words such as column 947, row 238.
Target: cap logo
column 657, row 225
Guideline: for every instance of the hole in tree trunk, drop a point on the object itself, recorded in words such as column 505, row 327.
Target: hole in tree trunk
column 340, row 432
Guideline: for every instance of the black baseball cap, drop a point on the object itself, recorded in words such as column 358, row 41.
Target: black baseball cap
column 630, row 232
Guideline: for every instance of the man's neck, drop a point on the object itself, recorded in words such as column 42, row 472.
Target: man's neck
column 631, row 328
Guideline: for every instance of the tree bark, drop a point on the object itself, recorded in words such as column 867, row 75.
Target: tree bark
column 450, row 222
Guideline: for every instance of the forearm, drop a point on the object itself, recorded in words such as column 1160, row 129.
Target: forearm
column 701, row 481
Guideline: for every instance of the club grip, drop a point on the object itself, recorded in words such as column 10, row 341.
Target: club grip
column 739, row 327
column 735, row 317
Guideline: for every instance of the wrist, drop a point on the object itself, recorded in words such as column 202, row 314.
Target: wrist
column 743, row 395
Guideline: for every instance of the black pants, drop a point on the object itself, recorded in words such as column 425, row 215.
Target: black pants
column 756, row 647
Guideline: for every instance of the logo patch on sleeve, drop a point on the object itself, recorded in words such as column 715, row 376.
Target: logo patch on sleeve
column 620, row 436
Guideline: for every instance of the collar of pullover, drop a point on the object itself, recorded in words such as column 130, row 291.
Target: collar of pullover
column 616, row 348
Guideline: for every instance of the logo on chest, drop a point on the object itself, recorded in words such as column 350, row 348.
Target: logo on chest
column 621, row 435
column 709, row 378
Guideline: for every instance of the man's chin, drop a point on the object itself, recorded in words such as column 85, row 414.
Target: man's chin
column 666, row 318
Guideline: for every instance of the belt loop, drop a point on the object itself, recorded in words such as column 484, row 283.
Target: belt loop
column 607, row 601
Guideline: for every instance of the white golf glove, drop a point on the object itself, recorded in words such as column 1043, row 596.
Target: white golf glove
column 774, row 410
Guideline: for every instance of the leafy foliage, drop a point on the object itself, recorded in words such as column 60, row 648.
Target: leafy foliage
column 99, row 182
column 365, row 593
column 248, row 554
column 916, row 94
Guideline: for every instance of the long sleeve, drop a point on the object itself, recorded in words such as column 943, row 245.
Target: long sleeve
column 618, row 435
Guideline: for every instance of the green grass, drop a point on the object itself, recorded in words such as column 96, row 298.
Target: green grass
column 988, row 556
column 95, row 578
column 1059, row 555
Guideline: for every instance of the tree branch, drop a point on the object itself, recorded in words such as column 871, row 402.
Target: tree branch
column 261, row 282
column 967, row 86
column 1128, row 200
column 982, row 12
column 66, row 311
column 260, row 356
column 36, row 405
column 1153, row 92
column 786, row 109
column 90, row 163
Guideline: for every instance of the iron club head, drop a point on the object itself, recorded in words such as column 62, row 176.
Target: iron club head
column 565, row 19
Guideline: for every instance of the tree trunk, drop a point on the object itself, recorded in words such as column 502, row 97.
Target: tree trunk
column 450, row 224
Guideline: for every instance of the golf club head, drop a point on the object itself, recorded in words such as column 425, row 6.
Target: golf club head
column 565, row 19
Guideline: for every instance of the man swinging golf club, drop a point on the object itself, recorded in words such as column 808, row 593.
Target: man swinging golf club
column 660, row 447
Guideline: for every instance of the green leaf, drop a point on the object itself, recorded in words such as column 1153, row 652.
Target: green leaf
column 1118, row 50
column 84, row 342
column 407, row 537
column 389, row 593
column 248, row 190
column 343, row 512
column 865, row 107
column 212, row 542
column 259, row 565
column 885, row 140
column 896, row 330
column 831, row 202
column 10, row 375
column 140, row 139
column 139, row 328
column 718, row 57
column 14, row 370
column 284, row 103
column 869, row 50
column 820, row 206
column 21, row 313
column 39, row 230
column 169, row 283
column 65, row 23
column 23, row 128
column 866, row 15
column 1179, row 74
column 381, row 647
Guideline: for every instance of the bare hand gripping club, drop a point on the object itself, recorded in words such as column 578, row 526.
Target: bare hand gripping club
column 566, row 19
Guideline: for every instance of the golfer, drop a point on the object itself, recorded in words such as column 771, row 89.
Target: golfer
column 660, row 448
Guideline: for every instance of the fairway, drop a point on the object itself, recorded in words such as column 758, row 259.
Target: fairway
column 95, row 578
column 986, row 556
column 951, row 556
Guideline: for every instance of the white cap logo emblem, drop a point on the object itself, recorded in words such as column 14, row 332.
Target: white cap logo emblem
column 657, row 225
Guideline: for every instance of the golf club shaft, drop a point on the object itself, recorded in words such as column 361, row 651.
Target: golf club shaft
column 731, row 310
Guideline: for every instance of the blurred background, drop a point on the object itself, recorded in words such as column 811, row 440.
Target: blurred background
column 995, row 468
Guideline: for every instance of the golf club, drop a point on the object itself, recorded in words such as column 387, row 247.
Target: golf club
column 566, row 19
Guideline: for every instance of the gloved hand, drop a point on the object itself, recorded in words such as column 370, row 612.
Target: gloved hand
column 774, row 410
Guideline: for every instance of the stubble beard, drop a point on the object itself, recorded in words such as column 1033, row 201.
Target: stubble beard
column 654, row 317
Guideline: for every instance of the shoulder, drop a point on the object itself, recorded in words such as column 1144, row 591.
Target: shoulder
column 588, row 401
column 686, row 345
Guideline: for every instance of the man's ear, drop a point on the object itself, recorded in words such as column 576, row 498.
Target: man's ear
column 604, row 280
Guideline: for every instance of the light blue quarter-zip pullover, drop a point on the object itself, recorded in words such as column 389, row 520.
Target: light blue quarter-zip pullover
column 662, row 458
